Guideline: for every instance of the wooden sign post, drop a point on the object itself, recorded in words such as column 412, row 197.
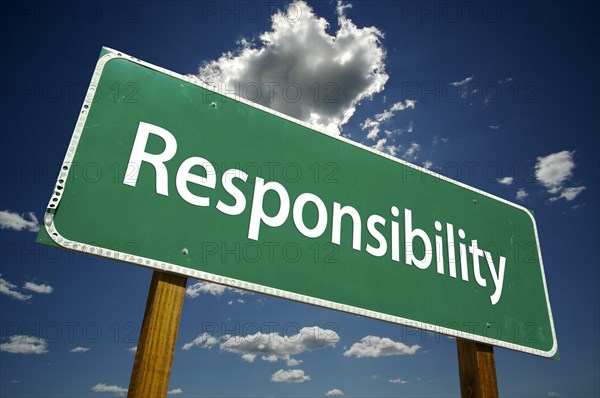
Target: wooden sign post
column 477, row 370
column 156, row 346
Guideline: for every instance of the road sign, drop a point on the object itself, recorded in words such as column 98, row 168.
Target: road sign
column 165, row 172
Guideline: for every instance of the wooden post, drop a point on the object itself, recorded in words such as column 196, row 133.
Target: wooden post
column 477, row 370
column 156, row 346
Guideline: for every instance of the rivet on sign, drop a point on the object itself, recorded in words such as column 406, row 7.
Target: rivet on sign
column 474, row 201
column 185, row 251
column 213, row 105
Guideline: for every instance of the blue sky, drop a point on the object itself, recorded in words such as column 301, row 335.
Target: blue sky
column 501, row 96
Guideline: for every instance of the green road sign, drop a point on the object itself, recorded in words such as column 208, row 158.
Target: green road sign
column 165, row 172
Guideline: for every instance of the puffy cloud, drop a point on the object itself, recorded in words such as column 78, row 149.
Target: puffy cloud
column 495, row 126
column 289, row 376
column 80, row 349
column 506, row 180
column 390, row 149
column 569, row 194
column 336, row 392
column 17, row 222
column 271, row 347
column 101, row 387
column 321, row 83
column 374, row 347
column 397, row 381
column 204, row 340
column 522, row 194
column 21, row 344
column 11, row 290
column 175, row 391
column 41, row 289
column 428, row 164
column 554, row 170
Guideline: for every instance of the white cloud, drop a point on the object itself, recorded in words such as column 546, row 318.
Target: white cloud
column 336, row 392
column 132, row 349
column 374, row 126
column 204, row 340
column 17, row 222
column 553, row 394
column 522, row 194
column 10, row 290
column 273, row 347
column 554, row 170
column 270, row 347
column 462, row 82
column 506, row 180
column 397, row 381
column 428, row 164
column 495, row 126
column 175, row 391
column 569, row 194
column 389, row 149
column 320, row 83
column 374, row 347
column 41, row 289
column 80, row 349
column 101, row 387
column 411, row 152
column 289, row 376
column 199, row 288
column 21, row 344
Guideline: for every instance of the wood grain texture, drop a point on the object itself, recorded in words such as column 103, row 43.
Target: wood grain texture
column 477, row 370
column 156, row 346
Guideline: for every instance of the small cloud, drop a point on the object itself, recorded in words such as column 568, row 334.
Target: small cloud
column 80, row 349
column 41, row 289
column 506, row 80
column 175, row 391
column 462, row 82
column 374, row 347
column 10, row 290
column 101, row 387
column 289, row 376
column 553, row 394
column 373, row 126
column 204, row 340
column 336, row 392
column 569, row 194
column 382, row 147
column 16, row 381
column 18, row 222
column 553, row 170
column 495, row 126
column 397, row 381
column 199, row 288
column 522, row 194
column 411, row 152
column 506, row 180
column 132, row 349
column 428, row 164
column 21, row 344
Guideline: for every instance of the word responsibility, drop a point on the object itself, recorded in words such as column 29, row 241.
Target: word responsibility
column 457, row 260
